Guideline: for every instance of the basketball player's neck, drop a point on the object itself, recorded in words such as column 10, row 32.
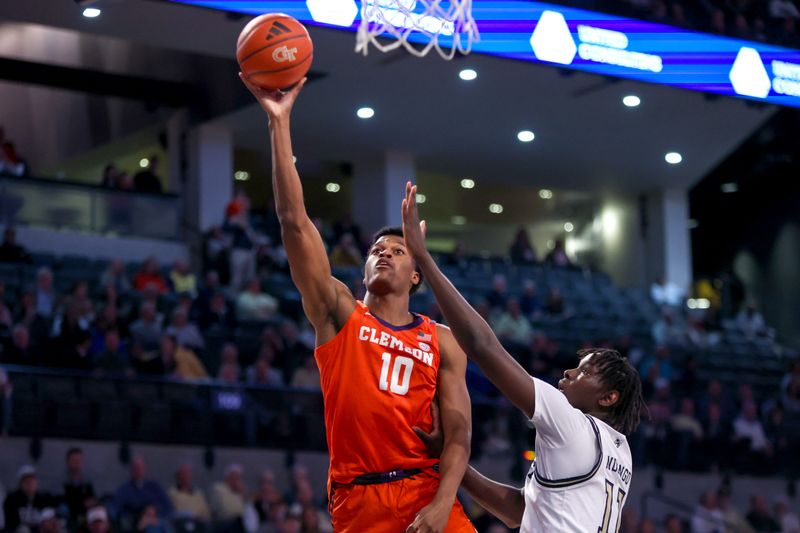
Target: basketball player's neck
column 389, row 307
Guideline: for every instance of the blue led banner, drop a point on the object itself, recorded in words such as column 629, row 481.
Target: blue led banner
column 591, row 42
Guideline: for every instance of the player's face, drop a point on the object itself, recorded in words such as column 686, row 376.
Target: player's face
column 583, row 386
column 389, row 268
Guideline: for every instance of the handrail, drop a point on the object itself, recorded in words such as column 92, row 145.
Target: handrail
column 43, row 181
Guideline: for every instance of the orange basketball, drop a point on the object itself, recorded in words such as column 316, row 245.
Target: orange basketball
column 274, row 51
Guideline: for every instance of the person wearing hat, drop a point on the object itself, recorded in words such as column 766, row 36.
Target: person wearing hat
column 23, row 507
column 48, row 521
column 97, row 520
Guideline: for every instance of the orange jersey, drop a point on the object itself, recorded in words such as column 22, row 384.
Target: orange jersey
column 378, row 382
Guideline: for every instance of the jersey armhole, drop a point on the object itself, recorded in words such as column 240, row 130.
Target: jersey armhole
column 358, row 309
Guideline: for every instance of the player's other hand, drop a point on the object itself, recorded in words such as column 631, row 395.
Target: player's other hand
column 413, row 229
column 434, row 441
column 277, row 104
column 432, row 518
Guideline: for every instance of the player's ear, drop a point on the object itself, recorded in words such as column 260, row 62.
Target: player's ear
column 609, row 398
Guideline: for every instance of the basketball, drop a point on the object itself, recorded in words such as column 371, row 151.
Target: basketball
column 274, row 51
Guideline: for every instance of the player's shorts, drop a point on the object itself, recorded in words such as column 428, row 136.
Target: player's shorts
column 390, row 507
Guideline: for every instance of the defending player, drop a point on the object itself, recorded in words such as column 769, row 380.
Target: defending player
column 582, row 472
column 380, row 367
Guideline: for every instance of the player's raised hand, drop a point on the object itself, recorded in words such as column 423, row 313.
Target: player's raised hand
column 434, row 441
column 413, row 229
column 277, row 104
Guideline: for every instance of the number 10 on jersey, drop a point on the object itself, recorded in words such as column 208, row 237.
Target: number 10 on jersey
column 401, row 373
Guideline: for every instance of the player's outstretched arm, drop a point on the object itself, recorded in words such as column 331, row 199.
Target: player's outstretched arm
column 326, row 301
column 456, row 419
column 470, row 329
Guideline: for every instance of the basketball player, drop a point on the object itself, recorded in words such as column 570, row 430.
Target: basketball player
column 582, row 471
column 380, row 367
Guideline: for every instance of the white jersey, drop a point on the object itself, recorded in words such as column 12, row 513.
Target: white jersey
column 582, row 472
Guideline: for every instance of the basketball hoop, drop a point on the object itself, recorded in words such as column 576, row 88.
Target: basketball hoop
column 444, row 25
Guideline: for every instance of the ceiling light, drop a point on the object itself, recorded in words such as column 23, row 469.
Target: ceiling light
column 458, row 220
column 631, row 101
column 729, row 187
column 143, row 162
column 673, row 158
column 495, row 208
column 467, row 183
column 568, row 227
column 241, row 175
column 91, row 12
column 365, row 112
column 526, row 136
column 421, row 198
column 333, row 187
column 468, row 74
column 545, row 194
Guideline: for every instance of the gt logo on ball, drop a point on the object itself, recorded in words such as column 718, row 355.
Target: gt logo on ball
column 284, row 53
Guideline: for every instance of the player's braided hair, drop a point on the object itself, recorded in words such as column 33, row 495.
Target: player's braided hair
column 397, row 231
column 618, row 374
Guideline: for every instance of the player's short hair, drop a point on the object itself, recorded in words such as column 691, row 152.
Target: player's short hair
column 397, row 231
column 617, row 373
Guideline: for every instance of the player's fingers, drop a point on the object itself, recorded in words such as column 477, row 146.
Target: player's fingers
column 424, row 437
column 423, row 227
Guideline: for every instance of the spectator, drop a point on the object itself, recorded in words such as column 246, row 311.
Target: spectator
column 345, row 226
column 182, row 279
column 529, row 303
column 97, row 520
column 759, row 518
column 82, row 301
column 48, row 521
column 735, row 520
column 149, row 277
column 146, row 330
column 458, row 257
column 115, row 276
column 219, row 315
column 749, row 433
column 666, row 293
column 150, row 522
column 522, row 252
column 253, row 304
column 790, row 388
column 558, row 255
column 10, row 251
column 751, row 323
column 113, row 360
column 307, row 376
column 783, row 9
column 707, row 517
column 217, row 253
column 512, row 325
column 10, row 161
column 188, row 500
column 717, row 431
column 661, row 359
column 243, row 241
column 19, row 350
column 227, row 497
column 555, row 304
column 498, row 296
column 346, row 252
column 147, row 180
column 647, row 525
column 228, row 374
column 787, row 520
column 110, row 177
column 184, row 331
column 24, row 506
column 688, row 434
column 178, row 361
column 76, row 487
column 262, row 373
column 673, row 524
column 133, row 496
column 47, row 299
column 665, row 331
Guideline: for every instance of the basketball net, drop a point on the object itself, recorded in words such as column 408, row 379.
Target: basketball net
column 450, row 20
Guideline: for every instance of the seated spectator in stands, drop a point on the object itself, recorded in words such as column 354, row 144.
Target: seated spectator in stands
column 262, row 373
column 529, row 302
column 688, row 435
column 150, row 522
column 188, row 500
column 780, row 437
column 219, row 315
column 787, row 520
column 133, row 496
column 521, row 251
column 307, row 376
column 10, row 161
column 512, row 325
column 22, row 507
column 180, row 362
column 149, row 276
column 268, row 503
column 660, row 359
column 47, row 299
column 186, row 332
column 346, row 252
column 113, row 360
column 228, row 374
column 97, row 520
column 243, row 241
column 107, row 320
column 759, row 516
column 110, row 176
column 18, row 351
column 147, row 180
column 76, row 487
column 458, row 257
column 790, row 388
column 146, row 330
column 555, row 305
column 212, row 286
column 72, row 347
column 82, row 301
column 228, row 496
column 49, row 521
column 666, row 332
column 783, row 9
column 217, row 253
column 558, row 255
column 647, row 525
column 182, row 278
column 253, row 304
column 748, row 433
column 666, row 293
column 115, row 276
column 735, row 519
column 751, row 322
column 673, row 524
column 10, row 251
column 707, row 517
column 498, row 296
